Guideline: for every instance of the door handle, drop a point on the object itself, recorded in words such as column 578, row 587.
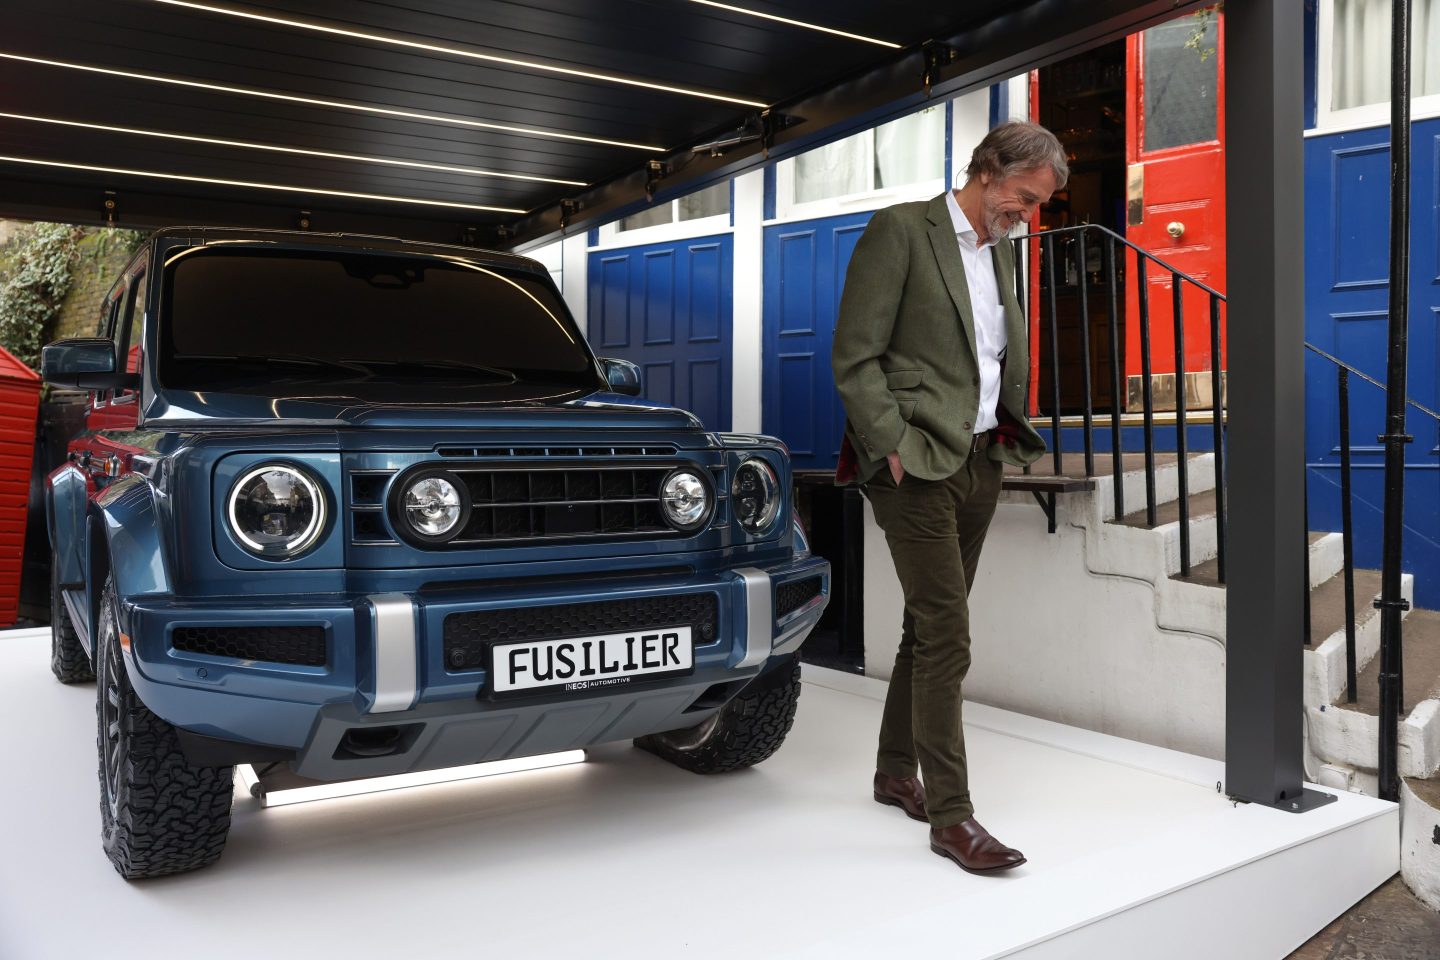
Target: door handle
column 1176, row 229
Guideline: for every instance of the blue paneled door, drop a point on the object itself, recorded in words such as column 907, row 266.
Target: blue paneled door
column 1347, row 228
column 667, row 307
column 805, row 267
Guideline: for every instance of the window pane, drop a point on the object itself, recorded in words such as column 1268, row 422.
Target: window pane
column 136, row 308
column 710, row 202
column 1181, row 66
column 834, row 170
column 365, row 324
column 911, row 149
column 653, row 217
column 1360, row 71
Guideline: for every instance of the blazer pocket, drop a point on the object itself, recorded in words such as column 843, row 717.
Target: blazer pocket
column 907, row 408
column 903, row 379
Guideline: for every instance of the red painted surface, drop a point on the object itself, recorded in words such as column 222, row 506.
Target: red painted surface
column 19, row 405
column 1186, row 185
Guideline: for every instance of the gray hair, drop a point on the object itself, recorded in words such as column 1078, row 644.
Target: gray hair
column 1015, row 146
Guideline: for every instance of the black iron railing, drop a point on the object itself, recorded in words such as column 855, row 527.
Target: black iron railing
column 1071, row 245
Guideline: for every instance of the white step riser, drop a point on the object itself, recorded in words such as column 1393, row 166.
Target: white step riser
column 1167, row 485
column 1419, row 853
column 1325, row 664
column 1350, row 738
column 1327, row 558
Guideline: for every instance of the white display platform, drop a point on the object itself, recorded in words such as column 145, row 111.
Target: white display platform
column 1132, row 854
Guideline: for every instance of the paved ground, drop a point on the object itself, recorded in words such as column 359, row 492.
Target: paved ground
column 1390, row 924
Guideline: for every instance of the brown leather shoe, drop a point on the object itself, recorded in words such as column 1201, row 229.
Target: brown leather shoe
column 971, row 846
column 903, row 792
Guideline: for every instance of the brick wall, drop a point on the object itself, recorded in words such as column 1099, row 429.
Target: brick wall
column 97, row 265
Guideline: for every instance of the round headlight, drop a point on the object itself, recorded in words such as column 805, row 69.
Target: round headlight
column 433, row 506
column 755, row 495
column 685, row 500
column 276, row 511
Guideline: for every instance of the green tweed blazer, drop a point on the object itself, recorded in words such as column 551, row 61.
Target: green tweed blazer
column 904, row 356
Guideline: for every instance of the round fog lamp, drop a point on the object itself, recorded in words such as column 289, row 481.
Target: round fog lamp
column 276, row 511
column 755, row 495
column 685, row 500
column 432, row 506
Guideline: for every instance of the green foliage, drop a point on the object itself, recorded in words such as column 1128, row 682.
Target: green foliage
column 1202, row 37
column 43, row 259
column 33, row 288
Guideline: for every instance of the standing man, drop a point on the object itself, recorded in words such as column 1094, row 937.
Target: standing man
column 931, row 359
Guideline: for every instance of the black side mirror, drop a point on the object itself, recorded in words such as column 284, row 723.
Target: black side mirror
column 623, row 376
column 85, row 363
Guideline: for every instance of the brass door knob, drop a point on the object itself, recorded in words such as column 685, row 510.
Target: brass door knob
column 1175, row 228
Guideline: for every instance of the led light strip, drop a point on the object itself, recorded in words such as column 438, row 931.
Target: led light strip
column 459, row 52
column 257, row 186
column 469, row 171
column 333, row 104
column 793, row 23
column 399, row 781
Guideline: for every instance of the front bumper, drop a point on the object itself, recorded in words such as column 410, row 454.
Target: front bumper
column 385, row 701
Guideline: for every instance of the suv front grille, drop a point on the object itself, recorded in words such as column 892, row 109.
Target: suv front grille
column 304, row 646
column 468, row 635
column 791, row 596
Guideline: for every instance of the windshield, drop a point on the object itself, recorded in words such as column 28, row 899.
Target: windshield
column 242, row 318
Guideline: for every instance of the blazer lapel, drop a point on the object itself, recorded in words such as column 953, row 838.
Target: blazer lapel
column 952, row 267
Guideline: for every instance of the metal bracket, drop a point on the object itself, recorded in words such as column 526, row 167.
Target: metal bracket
column 1047, row 503
column 1394, row 438
column 1380, row 604
column 1307, row 801
column 302, row 222
column 655, row 171
column 568, row 209
column 110, row 206
column 470, row 236
column 937, row 55
column 761, row 126
column 503, row 233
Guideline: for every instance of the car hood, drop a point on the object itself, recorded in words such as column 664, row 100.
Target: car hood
column 540, row 405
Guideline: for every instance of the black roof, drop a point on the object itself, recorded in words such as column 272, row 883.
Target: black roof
column 387, row 116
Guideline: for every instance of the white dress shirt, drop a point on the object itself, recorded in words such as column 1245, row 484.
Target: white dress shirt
column 989, row 312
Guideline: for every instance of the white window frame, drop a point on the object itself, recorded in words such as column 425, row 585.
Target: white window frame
column 788, row 210
column 1330, row 120
column 613, row 238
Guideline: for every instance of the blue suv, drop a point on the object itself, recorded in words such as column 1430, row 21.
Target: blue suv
column 356, row 506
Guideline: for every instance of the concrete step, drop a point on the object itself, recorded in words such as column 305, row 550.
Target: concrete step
column 1327, row 558
column 1348, row 734
column 1420, row 838
column 1325, row 657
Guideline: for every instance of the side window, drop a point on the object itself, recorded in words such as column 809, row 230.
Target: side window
column 109, row 329
column 130, row 329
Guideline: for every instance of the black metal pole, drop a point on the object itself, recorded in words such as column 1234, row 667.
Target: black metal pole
column 1394, row 438
column 1217, row 413
column 1181, row 452
column 1264, row 153
column 1088, row 407
column 1117, row 402
column 1347, row 541
column 1147, row 393
column 1054, row 356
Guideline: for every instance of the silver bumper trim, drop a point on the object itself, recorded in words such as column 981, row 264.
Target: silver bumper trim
column 759, row 616
column 392, row 615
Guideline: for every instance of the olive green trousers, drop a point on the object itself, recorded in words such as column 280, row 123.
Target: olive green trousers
column 935, row 529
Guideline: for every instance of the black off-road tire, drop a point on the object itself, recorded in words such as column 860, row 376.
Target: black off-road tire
column 747, row 730
column 158, row 814
column 68, row 659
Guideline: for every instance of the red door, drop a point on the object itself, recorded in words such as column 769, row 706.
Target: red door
column 1175, row 193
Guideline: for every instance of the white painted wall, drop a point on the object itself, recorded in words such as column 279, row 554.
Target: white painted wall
column 575, row 283
column 748, row 301
column 1053, row 640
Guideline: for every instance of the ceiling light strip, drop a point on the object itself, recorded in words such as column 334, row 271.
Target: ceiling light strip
column 300, row 151
column 333, row 104
column 154, row 174
column 787, row 20
column 469, row 54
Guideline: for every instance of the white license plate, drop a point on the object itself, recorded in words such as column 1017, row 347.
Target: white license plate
column 590, row 663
